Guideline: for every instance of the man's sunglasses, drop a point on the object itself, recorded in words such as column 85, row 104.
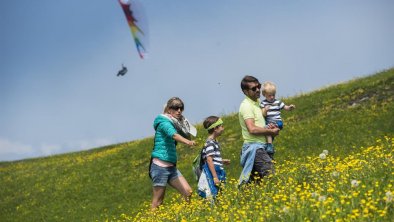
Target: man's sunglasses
column 176, row 107
column 255, row 87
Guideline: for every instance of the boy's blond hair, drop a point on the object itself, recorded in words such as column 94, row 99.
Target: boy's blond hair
column 268, row 87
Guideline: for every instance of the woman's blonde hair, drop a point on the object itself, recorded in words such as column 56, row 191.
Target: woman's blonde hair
column 174, row 101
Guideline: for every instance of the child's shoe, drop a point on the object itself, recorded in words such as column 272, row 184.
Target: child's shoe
column 269, row 148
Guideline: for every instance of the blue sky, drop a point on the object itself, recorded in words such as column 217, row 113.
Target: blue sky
column 58, row 86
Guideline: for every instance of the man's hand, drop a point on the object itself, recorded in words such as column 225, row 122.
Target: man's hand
column 275, row 131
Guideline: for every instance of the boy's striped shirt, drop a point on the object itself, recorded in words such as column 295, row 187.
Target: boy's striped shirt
column 273, row 113
column 212, row 148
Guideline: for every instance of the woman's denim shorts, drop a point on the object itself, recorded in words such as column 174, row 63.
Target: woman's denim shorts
column 162, row 175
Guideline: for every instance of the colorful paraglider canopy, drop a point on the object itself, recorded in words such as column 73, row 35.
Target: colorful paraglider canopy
column 137, row 21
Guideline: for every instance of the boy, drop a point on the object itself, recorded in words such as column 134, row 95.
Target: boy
column 212, row 171
column 271, row 108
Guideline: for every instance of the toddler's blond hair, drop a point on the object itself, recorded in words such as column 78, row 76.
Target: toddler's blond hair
column 268, row 87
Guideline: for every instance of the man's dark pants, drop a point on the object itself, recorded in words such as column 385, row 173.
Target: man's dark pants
column 263, row 166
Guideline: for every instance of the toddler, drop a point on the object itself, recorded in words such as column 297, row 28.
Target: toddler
column 271, row 108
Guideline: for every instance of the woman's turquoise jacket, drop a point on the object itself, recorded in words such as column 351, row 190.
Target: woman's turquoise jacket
column 164, row 145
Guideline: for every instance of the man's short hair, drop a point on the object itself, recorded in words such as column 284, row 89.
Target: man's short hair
column 246, row 80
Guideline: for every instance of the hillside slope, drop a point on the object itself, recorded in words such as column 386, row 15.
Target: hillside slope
column 108, row 181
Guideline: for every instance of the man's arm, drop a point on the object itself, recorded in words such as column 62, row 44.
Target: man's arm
column 256, row 130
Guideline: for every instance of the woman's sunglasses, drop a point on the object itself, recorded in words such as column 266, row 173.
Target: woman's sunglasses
column 255, row 87
column 176, row 107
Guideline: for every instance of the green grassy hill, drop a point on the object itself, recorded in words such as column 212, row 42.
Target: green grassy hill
column 109, row 181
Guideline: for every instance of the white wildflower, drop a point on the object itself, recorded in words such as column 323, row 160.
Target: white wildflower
column 314, row 194
column 389, row 197
column 355, row 183
column 325, row 152
column 322, row 198
column 335, row 174
column 322, row 156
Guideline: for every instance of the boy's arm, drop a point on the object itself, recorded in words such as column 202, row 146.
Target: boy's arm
column 265, row 110
column 212, row 169
column 290, row 107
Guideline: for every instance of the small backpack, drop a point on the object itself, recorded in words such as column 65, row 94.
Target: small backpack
column 197, row 164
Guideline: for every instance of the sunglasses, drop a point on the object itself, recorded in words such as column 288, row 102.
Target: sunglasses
column 176, row 107
column 255, row 87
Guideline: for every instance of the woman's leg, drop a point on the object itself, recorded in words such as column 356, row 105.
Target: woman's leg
column 182, row 186
column 158, row 196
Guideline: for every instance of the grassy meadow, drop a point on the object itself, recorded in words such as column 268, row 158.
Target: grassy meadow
column 334, row 162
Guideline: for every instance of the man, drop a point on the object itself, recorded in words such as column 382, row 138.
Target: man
column 255, row 161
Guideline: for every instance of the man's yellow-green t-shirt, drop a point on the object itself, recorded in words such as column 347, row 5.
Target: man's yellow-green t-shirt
column 250, row 109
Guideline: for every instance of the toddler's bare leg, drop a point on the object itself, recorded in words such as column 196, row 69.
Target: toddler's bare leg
column 269, row 139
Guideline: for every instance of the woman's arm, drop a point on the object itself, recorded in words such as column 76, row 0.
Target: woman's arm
column 182, row 139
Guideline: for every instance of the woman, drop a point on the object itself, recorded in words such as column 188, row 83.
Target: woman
column 170, row 129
